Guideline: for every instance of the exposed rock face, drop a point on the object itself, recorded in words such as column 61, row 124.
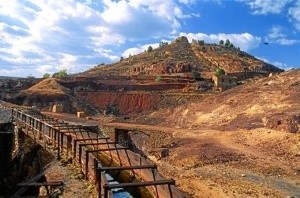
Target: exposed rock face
column 283, row 122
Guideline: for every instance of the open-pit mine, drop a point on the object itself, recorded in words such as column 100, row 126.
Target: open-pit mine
column 187, row 120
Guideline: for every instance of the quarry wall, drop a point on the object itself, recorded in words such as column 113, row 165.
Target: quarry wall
column 127, row 102
column 136, row 101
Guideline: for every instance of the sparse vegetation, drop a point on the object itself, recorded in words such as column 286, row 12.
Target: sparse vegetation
column 46, row 75
column 227, row 43
column 200, row 42
column 219, row 72
column 60, row 74
column 112, row 109
column 30, row 76
column 150, row 49
column 163, row 44
column 158, row 78
column 196, row 75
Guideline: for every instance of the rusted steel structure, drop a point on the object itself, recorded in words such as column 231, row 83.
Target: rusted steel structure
column 84, row 147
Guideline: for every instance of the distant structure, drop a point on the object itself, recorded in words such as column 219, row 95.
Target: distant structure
column 224, row 82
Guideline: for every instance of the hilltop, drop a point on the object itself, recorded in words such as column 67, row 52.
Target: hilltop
column 180, row 56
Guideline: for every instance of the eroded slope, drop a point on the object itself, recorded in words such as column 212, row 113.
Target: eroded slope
column 248, row 106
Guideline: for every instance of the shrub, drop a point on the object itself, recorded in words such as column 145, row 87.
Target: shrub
column 46, row 75
column 227, row 43
column 163, row 44
column 60, row 74
column 201, row 42
column 158, row 78
column 112, row 109
column 196, row 75
column 219, row 72
column 150, row 49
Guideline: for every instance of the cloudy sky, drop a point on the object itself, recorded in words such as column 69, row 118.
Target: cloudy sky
column 44, row 36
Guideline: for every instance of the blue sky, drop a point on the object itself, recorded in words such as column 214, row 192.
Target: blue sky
column 44, row 36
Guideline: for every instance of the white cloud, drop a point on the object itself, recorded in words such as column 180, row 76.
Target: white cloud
column 146, row 18
column 285, row 41
column 262, row 7
column 276, row 63
column 294, row 13
column 244, row 41
column 187, row 1
column 289, row 8
column 276, row 32
column 46, row 35
column 45, row 69
column 278, row 35
column 139, row 49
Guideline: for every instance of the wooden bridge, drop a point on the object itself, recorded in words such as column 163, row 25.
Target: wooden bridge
column 86, row 148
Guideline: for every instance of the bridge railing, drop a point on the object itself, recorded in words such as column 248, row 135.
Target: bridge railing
column 75, row 142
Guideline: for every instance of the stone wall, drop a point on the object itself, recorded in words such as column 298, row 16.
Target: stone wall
column 5, row 115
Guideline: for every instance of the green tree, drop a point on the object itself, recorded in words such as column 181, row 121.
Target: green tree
column 46, row 75
column 194, row 41
column 163, row 44
column 150, row 49
column 201, row 42
column 221, row 42
column 227, row 43
column 219, row 72
column 60, row 74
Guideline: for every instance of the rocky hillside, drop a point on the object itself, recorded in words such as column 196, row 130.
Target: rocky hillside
column 271, row 102
column 180, row 56
column 49, row 92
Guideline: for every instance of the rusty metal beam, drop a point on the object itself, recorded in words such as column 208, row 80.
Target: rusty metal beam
column 36, row 184
column 138, row 167
column 86, row 139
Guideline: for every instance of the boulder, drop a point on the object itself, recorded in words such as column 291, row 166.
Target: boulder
column 282, row 122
